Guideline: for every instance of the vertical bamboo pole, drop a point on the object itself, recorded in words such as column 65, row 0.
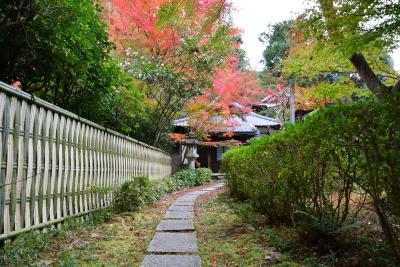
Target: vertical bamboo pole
column 58, row 197
column 52, row 208
column 20, row 185
column 30, row 185
column 4, row 123
column 8, row 212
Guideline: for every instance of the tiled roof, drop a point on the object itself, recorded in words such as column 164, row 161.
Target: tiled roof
column 260, row 120
column 247, row 124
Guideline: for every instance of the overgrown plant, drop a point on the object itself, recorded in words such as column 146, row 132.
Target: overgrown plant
column 203, row 176
column 189, row 178
column 321, row 171
column 133, row 194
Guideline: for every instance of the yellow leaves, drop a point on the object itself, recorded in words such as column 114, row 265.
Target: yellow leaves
column 337, row 91
column 308, row 60
column 150, row 102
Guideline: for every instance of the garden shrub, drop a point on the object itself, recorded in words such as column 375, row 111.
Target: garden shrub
column 185, row 178
column 317, row 173
column 189, row 178
column 203, row 176
column 140, row 191
column 133, row 194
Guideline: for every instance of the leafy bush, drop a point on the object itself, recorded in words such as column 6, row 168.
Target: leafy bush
column 189, row 178
column 323, row 168
column 133, row 194
column 203, row 176
column 185, row 178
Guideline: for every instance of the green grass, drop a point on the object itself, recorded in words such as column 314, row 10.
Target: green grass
column 227, row 236
column 231, row 233
column 107, row 239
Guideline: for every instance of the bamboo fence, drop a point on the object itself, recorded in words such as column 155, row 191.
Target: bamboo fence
column 56, row 165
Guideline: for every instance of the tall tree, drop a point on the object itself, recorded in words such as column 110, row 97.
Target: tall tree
column 352, row 28
column 172, row 48
column 277, row 43
column 59, row 51
column 232, row 93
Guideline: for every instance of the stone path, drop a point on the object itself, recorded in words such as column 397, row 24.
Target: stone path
column 175, row 242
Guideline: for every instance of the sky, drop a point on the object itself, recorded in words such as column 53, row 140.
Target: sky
column 254, row 16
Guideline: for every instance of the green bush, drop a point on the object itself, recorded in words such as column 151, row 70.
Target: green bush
column 189, row 178
column 185, row 178
column 203, row 176
column 133, row 194
column 311, row 173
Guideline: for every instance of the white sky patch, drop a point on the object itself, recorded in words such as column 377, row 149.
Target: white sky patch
column 396, row 58
column 254, row 17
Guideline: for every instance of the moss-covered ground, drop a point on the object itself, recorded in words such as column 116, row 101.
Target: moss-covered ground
column 227, row 235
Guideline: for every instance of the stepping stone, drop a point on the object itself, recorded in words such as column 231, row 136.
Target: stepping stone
column 187, row 198
column 175, row 225
column 196, row 193
column 173, row 242
column 181, row 208
column 179, row 215
column 171, row 261
column 184, row 203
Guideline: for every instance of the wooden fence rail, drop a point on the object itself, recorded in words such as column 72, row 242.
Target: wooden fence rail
column 53, row 163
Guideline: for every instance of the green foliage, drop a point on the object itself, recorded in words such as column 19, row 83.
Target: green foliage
column 24, row 250
column 278, row 43
column 203, row 176
column 362, row 31
column 60, row 51
column 337, row 90
column 318, row 172
column 133, row 194
column 185, row 178
column 189, row 178
column 354, row 25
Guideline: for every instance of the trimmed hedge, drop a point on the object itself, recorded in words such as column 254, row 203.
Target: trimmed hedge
column 311, row 173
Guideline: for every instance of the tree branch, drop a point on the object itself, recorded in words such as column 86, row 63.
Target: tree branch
column 368, row 76
column 396, row 87
column 11, row 25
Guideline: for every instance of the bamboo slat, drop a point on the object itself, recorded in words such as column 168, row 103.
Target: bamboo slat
column 52, row 161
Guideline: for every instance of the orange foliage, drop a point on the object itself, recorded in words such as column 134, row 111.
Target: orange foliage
column 233, row 92
column 306, row 102
column 141, row 23
column 177, row 137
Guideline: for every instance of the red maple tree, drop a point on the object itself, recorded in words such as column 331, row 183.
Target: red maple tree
column 231, row 96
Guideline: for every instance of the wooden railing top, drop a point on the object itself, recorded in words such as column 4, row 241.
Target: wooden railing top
column 42, row 103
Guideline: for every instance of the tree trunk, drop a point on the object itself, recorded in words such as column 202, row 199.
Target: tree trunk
column 292, row 105
column 387, row 229
column 368, row 76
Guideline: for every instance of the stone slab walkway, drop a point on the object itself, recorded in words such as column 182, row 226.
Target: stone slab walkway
column 175, row 242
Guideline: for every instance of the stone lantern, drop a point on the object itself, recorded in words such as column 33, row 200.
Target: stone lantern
column 191, row 146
